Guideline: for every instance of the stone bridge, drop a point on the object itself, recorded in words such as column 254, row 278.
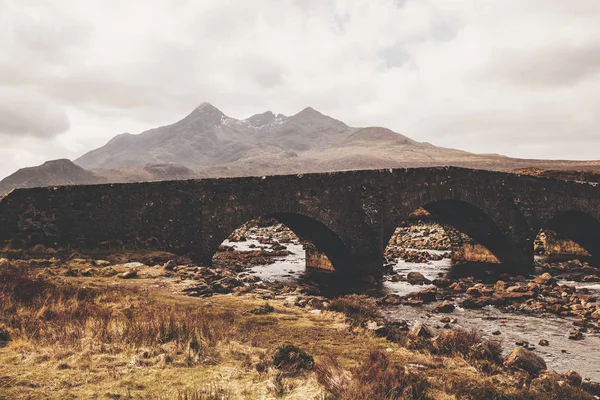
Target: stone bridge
column 348, row 216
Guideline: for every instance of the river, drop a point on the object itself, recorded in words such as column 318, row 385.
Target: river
column 561, row 355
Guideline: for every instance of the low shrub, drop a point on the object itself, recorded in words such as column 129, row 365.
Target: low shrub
column 375, row 378
column 287, row 358
column 358, row 308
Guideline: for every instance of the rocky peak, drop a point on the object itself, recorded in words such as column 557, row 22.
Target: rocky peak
column 61, row 162
column 309, row 116
column 206, row 113
column 309, row 112
column 378, row 134
column 266, row 118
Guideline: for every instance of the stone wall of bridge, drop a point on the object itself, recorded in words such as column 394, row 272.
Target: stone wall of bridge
column 348, row 216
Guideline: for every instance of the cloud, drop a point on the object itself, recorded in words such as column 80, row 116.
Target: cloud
column 559, row 64
column 510, row 76
column 25, row 113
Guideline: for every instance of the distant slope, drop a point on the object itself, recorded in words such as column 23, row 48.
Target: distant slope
column 570, row 175
column 57, row 172
column 207, row 143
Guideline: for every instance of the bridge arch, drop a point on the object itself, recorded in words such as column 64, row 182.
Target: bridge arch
column 308, row 229
column 579, row 227
column 494, row 223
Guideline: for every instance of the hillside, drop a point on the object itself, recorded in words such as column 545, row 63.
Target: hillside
column 57, row 172
column 208, row 143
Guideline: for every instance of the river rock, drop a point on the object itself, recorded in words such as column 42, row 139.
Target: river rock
column 391, row 299
column 133, row 265
column 196, row 289
column 170, row 265
column 128, row 274
column 458, row 287
column 226, row 285
column 477, row 302
column 426, row 295
column 441, row 282
column 572, row 377
column 575, row 335
column 416, row 278
column 419, row 330
column 249, row 278
column 526, row 360
column 474, row 291
column 512, row 297
column 378, row 330
column 444, row 307
column 544, row 279
column 591, row 278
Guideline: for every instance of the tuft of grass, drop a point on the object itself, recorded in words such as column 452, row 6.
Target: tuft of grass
column 374, row 378
column 289, row 359
column 358, row 308
column 544, row 389
column 211, row 391
column 331, row 376
column 469, row 344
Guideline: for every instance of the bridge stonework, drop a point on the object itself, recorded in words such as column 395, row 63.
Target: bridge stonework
column 348, row 216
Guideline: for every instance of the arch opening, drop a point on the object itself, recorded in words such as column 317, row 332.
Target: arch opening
column 569, row 235
column 474, row 235
column 434, row 244
column 289, row 240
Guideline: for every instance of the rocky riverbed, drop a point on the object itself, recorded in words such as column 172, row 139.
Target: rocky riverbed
column 555, row 312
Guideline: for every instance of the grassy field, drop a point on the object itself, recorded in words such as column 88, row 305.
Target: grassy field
column 107, row 338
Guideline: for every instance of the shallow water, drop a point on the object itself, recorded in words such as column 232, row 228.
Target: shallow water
column 582, row 356
column 288, row 268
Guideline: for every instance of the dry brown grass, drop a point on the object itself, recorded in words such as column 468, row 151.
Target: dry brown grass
column 358, row 308
column 473, row 252
column 470, row 389
column 376, row 378
column 69, row 339
column 105, row 321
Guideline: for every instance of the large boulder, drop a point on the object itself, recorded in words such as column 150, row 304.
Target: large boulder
column 418, row 330
column 573, row 378
column 416, row 278
column 426, row 295
column 444, row 307
column 544, row 279
column 526, row 360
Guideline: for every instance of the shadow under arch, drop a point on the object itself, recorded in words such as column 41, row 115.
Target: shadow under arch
column 307, row 229
column 463, row 218
column 579, row 227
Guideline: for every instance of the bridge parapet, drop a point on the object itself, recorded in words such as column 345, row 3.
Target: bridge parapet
column 349, row 216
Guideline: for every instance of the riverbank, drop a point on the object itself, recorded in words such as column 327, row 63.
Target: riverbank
column 141, row 324
column 85, row 328
column 141, row 337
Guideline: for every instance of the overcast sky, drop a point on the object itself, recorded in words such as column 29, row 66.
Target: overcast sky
column 515, row 77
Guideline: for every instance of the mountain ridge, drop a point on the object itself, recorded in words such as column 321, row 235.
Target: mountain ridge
column 208, row 143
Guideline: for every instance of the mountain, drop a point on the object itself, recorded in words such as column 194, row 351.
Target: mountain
column 208, row 143
column 57, row 172
column 209, row 137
